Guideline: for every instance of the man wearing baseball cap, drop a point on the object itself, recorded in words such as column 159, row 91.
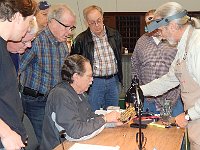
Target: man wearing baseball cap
column 41, row 14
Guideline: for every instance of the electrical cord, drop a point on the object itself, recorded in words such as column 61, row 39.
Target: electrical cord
column 62, row 135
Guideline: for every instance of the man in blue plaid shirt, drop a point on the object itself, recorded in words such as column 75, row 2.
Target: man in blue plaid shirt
column 40, row 66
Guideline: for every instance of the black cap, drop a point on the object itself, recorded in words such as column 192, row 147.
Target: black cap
column 42, row 5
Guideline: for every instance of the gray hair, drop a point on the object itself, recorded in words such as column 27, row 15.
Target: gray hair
column 172, row 8
column 73, row 64
column 56, row 11
column 33, row 26
column 88, row 9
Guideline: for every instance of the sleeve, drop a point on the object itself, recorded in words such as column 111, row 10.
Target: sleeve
column 76, row 47
column 163, row 84
column 119, row 41
column 135, row 65
column 194, row 112
column 10, row 117
column 76, row 129
column 28, row 56
column 8, row 111
column 118, row 44
column 195, row 63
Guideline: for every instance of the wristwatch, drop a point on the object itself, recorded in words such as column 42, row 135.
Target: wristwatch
column 187, row 116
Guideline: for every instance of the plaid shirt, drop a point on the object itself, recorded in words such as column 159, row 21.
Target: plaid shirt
column 104, row 59
column 40, row 66
column 150, row 61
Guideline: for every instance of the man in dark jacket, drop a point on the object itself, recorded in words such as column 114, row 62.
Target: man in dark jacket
column 68, row 97
column 102, row 46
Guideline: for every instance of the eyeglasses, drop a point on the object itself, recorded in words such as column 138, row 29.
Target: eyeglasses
column 89, row 76
column 66, row 26
column 93, row 23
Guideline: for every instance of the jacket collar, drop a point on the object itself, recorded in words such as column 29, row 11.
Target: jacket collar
column 108, row 31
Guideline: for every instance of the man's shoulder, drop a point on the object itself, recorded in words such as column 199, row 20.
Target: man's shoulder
column 145, row 36
column 45, row 36
column 111, row 31
column 83, row 35
column 62, row 89
column 196, row 37
column 83, row 38
column 144, row 39
column 42, row 34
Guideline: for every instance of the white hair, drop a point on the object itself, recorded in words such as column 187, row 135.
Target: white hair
column 33, row 26
column 172, row 8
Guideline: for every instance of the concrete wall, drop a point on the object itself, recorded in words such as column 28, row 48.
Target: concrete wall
column 120, row 6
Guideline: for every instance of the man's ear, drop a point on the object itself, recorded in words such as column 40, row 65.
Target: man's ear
column 86, row 23
column 75, row 76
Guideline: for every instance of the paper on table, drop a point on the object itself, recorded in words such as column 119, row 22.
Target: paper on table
column 78, row 146
column 103, row 112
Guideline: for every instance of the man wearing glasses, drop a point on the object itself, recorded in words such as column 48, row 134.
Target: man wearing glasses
column 182, row 31
column 40, row 66
column 102, row 46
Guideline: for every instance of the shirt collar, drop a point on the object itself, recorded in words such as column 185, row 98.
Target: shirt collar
column 156, row 40
column 182, row 42
column 50, row 35
column 104, row 33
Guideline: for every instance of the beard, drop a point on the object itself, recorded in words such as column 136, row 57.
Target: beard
column 172, row 42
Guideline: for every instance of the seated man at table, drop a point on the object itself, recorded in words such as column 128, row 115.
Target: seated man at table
column 68, row 110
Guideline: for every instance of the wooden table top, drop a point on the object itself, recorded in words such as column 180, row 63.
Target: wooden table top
column 125, row 137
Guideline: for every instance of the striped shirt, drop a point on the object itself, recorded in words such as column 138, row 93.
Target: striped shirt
column 105, row 63
column 40, row 66
column 151, row 60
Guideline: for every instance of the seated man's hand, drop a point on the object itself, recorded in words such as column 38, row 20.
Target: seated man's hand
column 112, row 116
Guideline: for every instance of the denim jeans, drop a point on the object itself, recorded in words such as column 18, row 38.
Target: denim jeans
column 104, row 93
column 176, row 110
column 34, row 108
